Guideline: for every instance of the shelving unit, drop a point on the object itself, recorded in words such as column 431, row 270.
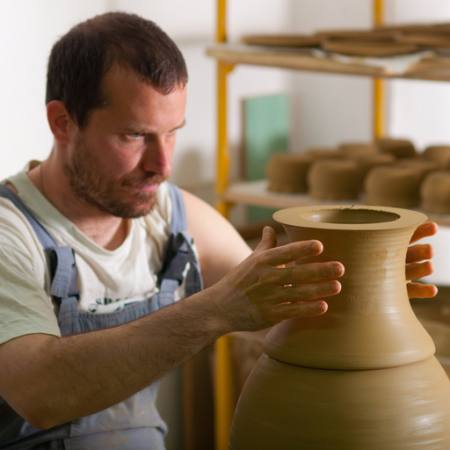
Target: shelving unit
column 423, row 66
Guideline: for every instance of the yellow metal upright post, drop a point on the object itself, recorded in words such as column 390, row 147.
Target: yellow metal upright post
column 378, row 101
column 224, row 395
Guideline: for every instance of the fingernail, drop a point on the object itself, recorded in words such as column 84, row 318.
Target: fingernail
column 316, row 246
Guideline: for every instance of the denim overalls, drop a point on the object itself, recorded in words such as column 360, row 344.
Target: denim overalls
column 133, row 424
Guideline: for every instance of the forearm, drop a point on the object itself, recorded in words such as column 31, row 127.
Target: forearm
column 74, row 376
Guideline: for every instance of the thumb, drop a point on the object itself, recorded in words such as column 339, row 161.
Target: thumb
column 268, row 239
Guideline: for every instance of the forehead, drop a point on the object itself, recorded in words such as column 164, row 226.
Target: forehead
column 126, row 94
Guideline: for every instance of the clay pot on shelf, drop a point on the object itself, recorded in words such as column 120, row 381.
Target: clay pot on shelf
column 363, row 375
column 320, row 153
column 393, row 186
column 440, row 154
column 287, row 172
column 435, row 193
column 399, row 148
column 424, row 166
column 368, row 162
column 357, row 149
column 335, row 180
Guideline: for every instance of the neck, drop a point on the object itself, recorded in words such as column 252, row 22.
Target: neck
column 104, row 229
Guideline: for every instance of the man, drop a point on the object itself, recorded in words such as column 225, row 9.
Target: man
column 96, row 252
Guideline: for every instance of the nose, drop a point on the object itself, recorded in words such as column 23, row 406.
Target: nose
column 157, row 157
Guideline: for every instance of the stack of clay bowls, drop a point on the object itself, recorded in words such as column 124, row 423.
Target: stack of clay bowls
column 398, row 148
column 357, row 149
column 435, row 192
column 386, row 172
column 394, row 185
column 287, row 172
column 366, row 155
column 320, row 153
column 439, row 154
column 397, row 184
column 331, row 179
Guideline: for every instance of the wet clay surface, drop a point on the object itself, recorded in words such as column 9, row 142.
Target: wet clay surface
column 363, row 376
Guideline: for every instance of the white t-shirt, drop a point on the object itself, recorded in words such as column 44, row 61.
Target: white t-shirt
column 108, row 280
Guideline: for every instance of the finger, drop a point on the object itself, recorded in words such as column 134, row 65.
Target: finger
column 419, row 252
column 285, row 254
column 298, row 309
column 424, row 230
column 414, row 271
column 419, row 290
column 306, row 273
column 294, row 293
column 268, row 239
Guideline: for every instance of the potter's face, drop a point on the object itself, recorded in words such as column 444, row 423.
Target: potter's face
column 118, row 160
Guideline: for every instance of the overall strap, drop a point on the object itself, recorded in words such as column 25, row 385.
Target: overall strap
column 180, row 262
column 61, row 260
column 178, row 219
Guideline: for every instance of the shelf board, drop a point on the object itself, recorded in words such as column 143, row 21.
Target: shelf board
column 423, row 66
column 255, row 193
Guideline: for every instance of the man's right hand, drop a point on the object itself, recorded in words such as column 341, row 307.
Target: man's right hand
column 276, row 283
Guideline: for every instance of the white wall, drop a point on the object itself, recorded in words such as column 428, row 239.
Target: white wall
column 28, row 28
column 419, row 110
column 330, row 108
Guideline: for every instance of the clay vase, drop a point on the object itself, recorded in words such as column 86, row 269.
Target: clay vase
column 363, row 375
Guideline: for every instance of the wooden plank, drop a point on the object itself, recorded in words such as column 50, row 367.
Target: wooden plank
column 307, row 60
column 287, row 58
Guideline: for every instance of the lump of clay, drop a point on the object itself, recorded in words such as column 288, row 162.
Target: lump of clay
column 422, row 165
column 323, row 153
column 435, row 193
column 399, row 148
column 394, row 186
column 287, row 172
column 357, row 149
column 439, row 154
column 335, row 180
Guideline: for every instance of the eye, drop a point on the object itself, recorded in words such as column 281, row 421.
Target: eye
column 135, row 136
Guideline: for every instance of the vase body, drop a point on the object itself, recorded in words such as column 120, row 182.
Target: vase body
column 362, row 376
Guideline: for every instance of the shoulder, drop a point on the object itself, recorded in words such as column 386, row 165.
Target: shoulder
column 219, row 245
column 24, row 304
column 18, row 242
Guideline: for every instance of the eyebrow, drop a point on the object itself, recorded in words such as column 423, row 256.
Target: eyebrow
column 182, row 124
column 144, row 131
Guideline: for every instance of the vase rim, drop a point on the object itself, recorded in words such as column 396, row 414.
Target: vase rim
column 349, row 217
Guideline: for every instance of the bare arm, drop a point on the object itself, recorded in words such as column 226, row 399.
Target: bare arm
column 69, row 377
column 50, row 380
column 219, row 245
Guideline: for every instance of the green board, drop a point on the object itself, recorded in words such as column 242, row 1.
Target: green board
column 265, row 132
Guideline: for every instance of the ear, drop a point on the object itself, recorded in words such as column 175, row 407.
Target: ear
column 60, row 122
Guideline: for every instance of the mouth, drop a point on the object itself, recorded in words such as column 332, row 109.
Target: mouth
column 149, row 188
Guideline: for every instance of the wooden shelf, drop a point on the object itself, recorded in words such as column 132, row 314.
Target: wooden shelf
column 425, row 65
column 255, row 193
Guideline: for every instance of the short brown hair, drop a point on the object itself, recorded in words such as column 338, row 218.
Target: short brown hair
column 80, row 59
